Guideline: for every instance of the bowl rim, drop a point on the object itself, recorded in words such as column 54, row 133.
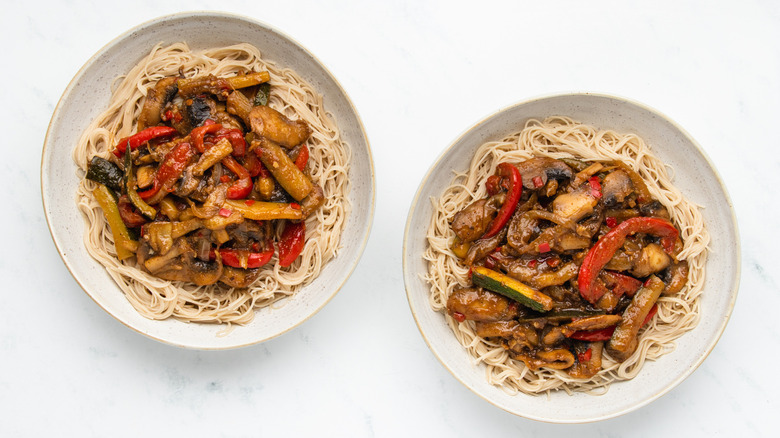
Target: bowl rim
column 185, row 15
column 734, row 289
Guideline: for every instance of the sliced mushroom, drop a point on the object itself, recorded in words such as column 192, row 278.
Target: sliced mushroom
column 199, row 109
column 574, row 205
column 144, row 176
column 676, row 277
column 622, row 260
column 206, row 84
column 524, row 338
column 523, row 226
column 213, row 203
column 616, row 187
column 188, row 184
column 651, row 259
column 157, row 263
column 541, row 169
column 204, row 273
column 181, row 264
column 554, row 335
column 655, row 209
column 159, row 235
column 237, row 277
column 156, row 98
column 568, row 240
column 558, row 359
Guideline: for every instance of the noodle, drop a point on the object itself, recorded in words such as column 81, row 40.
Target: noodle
column 561, row 137
column 329, row 160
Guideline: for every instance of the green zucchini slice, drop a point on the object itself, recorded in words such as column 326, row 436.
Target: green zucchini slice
column 510, row 288
column 105, row 172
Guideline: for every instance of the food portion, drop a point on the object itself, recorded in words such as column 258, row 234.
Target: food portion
column 223, row 175
column 555, row 253
column 567, row 267
column 205, row 198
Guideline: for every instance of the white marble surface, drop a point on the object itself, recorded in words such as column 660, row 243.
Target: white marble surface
column 419, row 72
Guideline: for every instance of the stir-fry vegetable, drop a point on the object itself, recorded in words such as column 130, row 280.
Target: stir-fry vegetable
column 207, row 180
column 246, row 260
column 124, row 244
column 135, row 141
column 243, row 186
column 291, row 243
column 265, row 211
column 569, row 268
column 132, row 194
column 623, row 342
column 170, row 170
column 105, row 172
column 263, row 94
column 292, row 179
column 600, row 254
column 509, row 287
column 514, row 181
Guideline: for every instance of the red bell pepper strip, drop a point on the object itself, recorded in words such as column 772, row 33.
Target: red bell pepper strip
column 236, row 139
column 254, row 166
column 170, row 170
column 621, row 284
column 231, row 257
column 200, row 132
column 127, row 212
column 594, row 335
column 264, row 172
column 595, row 187
column 136, row 140
column 171, row 115
column 600, row 253
column 606, row 333
column 302, row 158
column 493, row 184
column 510, row 172
column 243, row 187
column 586, row 356
column 291, row 242
column 650, row 314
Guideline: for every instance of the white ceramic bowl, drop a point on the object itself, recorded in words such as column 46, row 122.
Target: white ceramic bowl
column 694, row 175
column 88, row 94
